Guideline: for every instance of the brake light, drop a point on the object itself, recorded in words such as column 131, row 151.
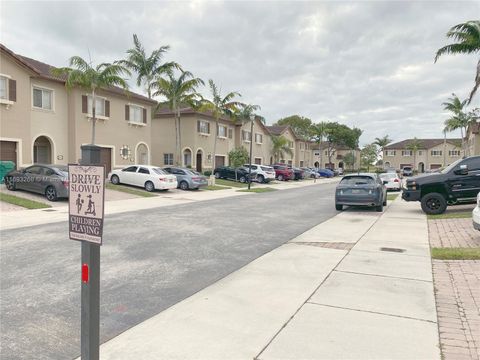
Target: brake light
column 396, row 180
column 195, row 179
column 65, row 183
column 162, row 179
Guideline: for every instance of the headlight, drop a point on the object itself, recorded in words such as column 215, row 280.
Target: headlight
column 370, row 192
column 413, row 185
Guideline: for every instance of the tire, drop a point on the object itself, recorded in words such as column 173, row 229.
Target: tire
column 184, row 185
column 338, row 207
column 242, row 179
column 217, row 175
column 280, row 177
column 149, row 186
column 261, row 178
column 434, row 204
column 115, row 180
column 51, row 193
column 379, row 208
column 385, row 202
column 10, row 184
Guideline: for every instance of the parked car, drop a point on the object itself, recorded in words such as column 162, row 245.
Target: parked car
column 187, row 178
column 458, row 183
column 476, row 214
column 393, row 181
column 310, row 173
column 149, row 177
column 365, row 189
column 49, row 180
column 297, row 173
column 407, row 171
column 340, row 171
column 227, row 172
column 264, row 174
column 282, row 172
column 325, row 173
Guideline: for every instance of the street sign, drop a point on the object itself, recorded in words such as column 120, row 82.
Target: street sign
column 86, row 202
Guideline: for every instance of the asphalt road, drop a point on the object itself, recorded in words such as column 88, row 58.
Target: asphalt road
column 150, row 260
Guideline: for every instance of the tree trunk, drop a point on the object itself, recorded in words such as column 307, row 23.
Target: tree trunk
column 94, row 119
column 321, row 152
column 463, row 143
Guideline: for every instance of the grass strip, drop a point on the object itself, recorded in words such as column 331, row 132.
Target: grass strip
column 391, row 197
column 215, row 187
column 258, row 190
column 26, row 203
column 129, row 190
column 451, row 215
column 456, row 253
column 224, row 182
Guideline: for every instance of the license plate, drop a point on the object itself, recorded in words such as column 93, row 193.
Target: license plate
column 355, row 191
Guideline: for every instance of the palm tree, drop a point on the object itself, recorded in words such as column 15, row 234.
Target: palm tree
column 219, row 106
column 414, row 145
column 148, row 67
column 280, row 147
column 178, row 91
column 319, row 132
column 382, row 143
column 459, row 119
column 90, row 78
column 467, row 37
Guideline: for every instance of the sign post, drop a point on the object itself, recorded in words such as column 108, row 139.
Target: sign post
column 86, row 214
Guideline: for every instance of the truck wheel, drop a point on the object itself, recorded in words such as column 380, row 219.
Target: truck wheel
column 434, row 204
column 338, row 207
column 379, row 208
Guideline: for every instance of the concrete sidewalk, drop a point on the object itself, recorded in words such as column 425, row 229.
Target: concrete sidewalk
column 24, row 218
column 310, row 300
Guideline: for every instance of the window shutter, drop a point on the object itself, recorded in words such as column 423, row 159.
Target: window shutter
column 107, row 108
column 208, row 127
column 84, row 104
column 144, row 116
column 198, row 125
column 230, row 133
column 12, row 90
column 127, row 112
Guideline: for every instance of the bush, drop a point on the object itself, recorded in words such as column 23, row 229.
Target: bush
column 207, row 173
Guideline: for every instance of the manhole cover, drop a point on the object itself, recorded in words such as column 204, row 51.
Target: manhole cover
column 49, row 210
column 392, row 249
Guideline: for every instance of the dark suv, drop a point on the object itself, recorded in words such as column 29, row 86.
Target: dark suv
column 226, row 172
column 456, row 184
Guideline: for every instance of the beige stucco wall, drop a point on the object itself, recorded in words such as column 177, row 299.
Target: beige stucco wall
column 473, row 143
column 261, row 151
column 15, row 118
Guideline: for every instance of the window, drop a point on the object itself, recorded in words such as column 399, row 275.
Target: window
column 130, row 169
column 222, row 131
column 454, row 153
column 436, row 152
column 258, row 138
column 420, row 152
column 390, row 153
column 407, row 152
column 290, row 162
column 42, row 98
column 301, row 146
column 143, row 171
column 99, row 106
column 3, row 88
column 290, row 144
column 168, row 159
column 230, row 133
column 246, row 135
column 136, row 114
column 203, row 127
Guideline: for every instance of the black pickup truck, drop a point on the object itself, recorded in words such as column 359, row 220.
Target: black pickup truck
column 458, row 183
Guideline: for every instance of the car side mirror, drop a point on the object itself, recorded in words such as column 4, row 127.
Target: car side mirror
column 462, row 170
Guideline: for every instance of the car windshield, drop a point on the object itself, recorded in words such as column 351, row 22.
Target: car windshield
column 266, row 168
column 451, row 166
column 357, row 180
column 192, row 172
column 160, row 171
column 388, row 176
column 61, row 170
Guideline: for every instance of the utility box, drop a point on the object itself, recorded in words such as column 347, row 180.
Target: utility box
column 5, row 167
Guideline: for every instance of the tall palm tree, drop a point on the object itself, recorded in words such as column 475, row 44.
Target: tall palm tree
column 280, row 147
column 467, row 37
column 459, row 119
column 91, row 78
column 414, row 145
column 178, row 91
column 319, row 132
column 219, row 106
column 147, row 67
column 382, row 142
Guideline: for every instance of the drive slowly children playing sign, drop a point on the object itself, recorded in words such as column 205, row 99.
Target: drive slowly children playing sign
column 86, row 202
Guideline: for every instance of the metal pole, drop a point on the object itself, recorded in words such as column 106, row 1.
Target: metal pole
column 251, row 145
column 90, row 296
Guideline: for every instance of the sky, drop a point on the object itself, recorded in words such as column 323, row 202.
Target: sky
column 367, row 64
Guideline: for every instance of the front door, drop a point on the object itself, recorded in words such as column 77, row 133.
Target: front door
column 106, row 159
column 199, row 162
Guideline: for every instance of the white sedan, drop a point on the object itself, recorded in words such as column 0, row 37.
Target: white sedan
column 392, row 181
column 476, row 214
column 149, row 177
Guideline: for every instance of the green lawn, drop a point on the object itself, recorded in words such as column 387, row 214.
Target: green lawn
column 129, row 190
column 215, row 187
column 224, row 182
column 26, row 203
column 258, row 190
column 456, row 253
column 391, row 197
column 452, row 215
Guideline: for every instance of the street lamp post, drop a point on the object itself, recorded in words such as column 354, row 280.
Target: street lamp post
column 252, row 119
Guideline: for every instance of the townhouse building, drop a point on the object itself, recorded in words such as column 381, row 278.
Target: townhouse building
column 432, row 154
column 42, row 122
column 262, row 141
column 320, row 156
column 287, row 132
column 473, row 139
